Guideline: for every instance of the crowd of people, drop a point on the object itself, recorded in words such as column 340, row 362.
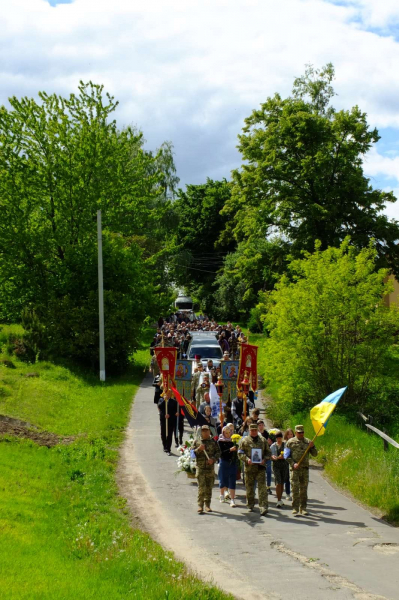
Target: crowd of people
column 239, row 442
column 176, row 331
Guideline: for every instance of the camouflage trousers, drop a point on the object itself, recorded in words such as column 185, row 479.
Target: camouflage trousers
column 299, row 485
column 252, row 475
column 205, row 480
column 199, row 397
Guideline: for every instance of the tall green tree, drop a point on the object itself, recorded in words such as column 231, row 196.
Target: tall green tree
column 302, row 175
column 199, row 225
column 329, row 327
column 255, row 266
column 62, row 159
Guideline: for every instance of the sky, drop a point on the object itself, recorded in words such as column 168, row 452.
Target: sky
column 190, row 71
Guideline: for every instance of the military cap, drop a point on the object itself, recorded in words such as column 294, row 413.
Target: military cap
column 299, row 429
column 253, row 426
column 205, row 427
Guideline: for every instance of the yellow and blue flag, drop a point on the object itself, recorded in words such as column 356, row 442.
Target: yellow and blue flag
column 321, row 413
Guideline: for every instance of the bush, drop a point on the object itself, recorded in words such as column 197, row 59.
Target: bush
column 329, row 328
column 20, row 347
column 255, row 324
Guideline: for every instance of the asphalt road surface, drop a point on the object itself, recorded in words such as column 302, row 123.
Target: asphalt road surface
column 340, row 551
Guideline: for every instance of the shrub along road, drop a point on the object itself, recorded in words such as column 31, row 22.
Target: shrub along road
column 340, row 551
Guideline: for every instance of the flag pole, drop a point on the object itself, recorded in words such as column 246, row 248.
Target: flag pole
column 308, row 448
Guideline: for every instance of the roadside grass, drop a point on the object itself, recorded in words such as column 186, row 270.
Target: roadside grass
column 356, row 461
column 353, row 459
column 65, row 531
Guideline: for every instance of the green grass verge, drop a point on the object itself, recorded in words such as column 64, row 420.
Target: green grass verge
column 65, row 531
column 353, row 458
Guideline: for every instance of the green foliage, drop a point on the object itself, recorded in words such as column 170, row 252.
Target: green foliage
column 255, row 323
column 254, row 266
column 355, row 460
column 66, row 399
column 302, row 174
column 330, row 328
column 60, row 161
column 199, row 224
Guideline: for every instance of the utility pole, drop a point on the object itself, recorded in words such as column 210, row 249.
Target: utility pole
column 101, row 295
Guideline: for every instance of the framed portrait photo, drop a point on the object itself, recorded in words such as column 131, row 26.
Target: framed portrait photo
column 256, row 456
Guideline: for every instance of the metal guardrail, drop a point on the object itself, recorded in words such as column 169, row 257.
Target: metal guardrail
column 387, row 440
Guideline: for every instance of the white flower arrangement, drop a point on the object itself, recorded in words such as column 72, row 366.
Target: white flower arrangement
column 186, row 462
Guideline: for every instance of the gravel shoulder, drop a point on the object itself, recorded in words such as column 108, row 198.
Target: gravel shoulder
column 339, row 551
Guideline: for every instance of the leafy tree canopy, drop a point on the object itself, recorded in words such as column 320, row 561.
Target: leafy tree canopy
column 302, row 175
column 329, row 327
column 198, row 227
column 62, row 159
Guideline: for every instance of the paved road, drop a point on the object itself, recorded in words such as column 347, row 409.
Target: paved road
column 340, row 551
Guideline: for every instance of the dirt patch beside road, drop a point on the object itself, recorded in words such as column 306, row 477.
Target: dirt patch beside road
column 22, row 429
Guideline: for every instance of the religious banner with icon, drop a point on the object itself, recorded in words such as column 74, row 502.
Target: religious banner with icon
column 166, row 359
column 229, row 371
column 248, row 364
column 183, row 370
column 183, row 376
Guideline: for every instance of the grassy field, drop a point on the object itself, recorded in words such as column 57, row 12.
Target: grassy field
column 65, row 531
column 353, row 458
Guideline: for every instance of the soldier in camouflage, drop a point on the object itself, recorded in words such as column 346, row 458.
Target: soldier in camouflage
column 294, row 450
column 207, row 453
column 195, row 382
column 202, row 389
column 255, row 472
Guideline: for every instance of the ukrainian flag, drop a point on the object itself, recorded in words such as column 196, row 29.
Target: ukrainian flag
column 321, row 413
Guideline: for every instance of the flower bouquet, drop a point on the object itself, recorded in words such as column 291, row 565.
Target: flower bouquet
column 236, row 438
column 186, row 462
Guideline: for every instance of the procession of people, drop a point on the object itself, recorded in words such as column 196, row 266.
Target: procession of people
column 237, row 443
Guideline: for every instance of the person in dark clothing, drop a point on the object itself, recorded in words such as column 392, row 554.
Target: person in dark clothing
column 168, row 414
column 270, row 440
column 237, row 408
column 157, row 389
column 179, row 430
column 227, row 467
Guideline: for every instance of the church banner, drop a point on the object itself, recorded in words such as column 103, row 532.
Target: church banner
column 166, row 359
column 248, row 364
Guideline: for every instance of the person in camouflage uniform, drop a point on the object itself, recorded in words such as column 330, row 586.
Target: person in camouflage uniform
column 195, row 381
column 205, row 467
column 294, row 450
column 255, row 472
column 202, row 389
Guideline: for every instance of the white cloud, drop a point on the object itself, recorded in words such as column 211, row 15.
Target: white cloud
column 192, row 71
column 377, row 165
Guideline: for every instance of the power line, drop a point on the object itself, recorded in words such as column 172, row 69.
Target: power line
column 195, row 269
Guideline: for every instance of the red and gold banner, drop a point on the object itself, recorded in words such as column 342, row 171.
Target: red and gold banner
column 249, row 365
column 166, row 359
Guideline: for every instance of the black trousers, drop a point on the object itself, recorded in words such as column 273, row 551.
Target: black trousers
column 167, row 439
column 180, row 430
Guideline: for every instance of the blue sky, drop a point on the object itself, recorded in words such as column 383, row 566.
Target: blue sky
column 55, row 2
column 190, row 72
